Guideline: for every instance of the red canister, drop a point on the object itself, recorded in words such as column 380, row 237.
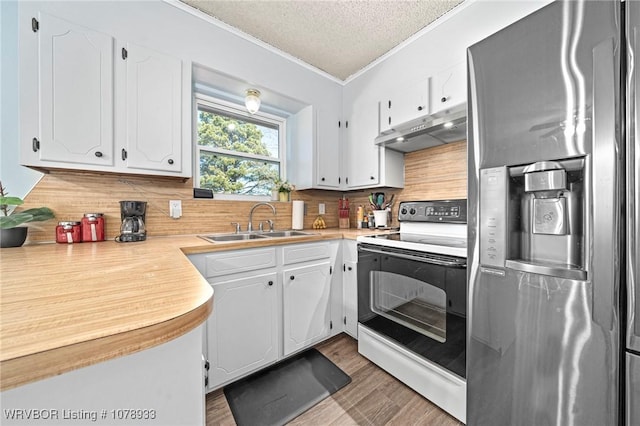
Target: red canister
column 93, row 227
column 68, row 232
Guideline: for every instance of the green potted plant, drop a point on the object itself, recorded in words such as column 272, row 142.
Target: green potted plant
column 284, row 189
column 12, row 231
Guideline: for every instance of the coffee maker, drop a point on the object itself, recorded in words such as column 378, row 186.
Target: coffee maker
column 132, row 228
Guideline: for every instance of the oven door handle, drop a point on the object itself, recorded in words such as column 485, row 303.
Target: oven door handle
column 441, row 262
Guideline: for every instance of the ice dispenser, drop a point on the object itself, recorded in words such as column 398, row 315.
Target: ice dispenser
column 532, row 218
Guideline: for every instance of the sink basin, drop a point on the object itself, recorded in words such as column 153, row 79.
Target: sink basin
column 252, row 236
column 231, row 237
column 279, row 234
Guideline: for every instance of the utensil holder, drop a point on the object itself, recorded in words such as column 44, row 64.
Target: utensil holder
column 380, row 217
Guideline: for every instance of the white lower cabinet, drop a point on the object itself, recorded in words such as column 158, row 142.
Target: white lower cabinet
column 306, row 313
column 350, row 298
column 162, row 385
column 268, row 303
column 350, row 287
column 242, row 332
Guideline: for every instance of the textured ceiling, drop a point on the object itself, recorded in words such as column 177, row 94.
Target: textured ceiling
column 337, row 37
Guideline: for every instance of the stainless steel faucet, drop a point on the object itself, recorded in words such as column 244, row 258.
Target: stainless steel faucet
column 273, row 209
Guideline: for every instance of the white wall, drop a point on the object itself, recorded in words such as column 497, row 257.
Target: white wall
column 18, row 180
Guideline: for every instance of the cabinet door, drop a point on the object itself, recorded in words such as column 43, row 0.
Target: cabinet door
column 327, row 150
column 76, row 93
column 363, row 155
column 350, row 297
column 450, row 87
column 243, row 328
column 153, row 104
column 385, row 114
column 404, row 105
column 306, row 314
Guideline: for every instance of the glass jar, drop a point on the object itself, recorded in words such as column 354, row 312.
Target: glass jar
column 93, row 227
column 68, row 232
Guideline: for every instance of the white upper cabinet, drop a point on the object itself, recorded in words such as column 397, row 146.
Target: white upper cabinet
column 449, row 87
column 313, row 146
column 76, row 94
column 153, row 109
column 329, row 164
column 368, row 165
column 405, row 104
column 362, row 154
column 100, row 104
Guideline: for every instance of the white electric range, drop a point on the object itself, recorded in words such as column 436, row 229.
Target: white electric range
column 412, row 300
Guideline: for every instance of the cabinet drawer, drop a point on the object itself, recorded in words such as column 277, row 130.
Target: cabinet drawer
column 305, row 252
column 234, row 262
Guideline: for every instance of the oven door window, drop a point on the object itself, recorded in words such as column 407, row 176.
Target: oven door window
column 410, row 302
column 415, row 302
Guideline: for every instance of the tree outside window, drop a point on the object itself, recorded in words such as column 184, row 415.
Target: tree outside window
column 237, row 154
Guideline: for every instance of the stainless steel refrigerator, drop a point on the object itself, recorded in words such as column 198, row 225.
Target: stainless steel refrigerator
column 553, row 219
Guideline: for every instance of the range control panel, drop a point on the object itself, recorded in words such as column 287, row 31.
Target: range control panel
column 446, row 211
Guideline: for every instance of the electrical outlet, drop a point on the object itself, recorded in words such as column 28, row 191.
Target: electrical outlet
column 321, row 208
column 175, row 208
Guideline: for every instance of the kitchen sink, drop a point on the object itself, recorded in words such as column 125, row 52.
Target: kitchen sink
column 252, row 236
column 280, row 234
column 231, row 237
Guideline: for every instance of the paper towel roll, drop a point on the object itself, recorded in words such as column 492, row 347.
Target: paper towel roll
column 297, row 214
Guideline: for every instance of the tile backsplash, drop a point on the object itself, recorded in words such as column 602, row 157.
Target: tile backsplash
column 434, row 173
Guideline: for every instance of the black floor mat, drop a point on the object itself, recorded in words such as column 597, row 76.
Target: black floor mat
column 282, row 392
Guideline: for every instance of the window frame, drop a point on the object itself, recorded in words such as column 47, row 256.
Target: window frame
column 226, row 107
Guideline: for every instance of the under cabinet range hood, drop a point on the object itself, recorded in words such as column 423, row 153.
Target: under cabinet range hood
column 427, row 131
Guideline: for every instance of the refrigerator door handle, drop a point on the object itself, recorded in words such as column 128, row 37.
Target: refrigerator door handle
column 633, row 180
column 605, row 254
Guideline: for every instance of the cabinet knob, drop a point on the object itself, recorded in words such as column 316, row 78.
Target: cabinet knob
column 270, row 283
column 420, row 108
column 443, row 99
column 372, row 177
column 322, row 179
column 98, row 154
column 349, row 268
column 170, row 161
column 292, row 278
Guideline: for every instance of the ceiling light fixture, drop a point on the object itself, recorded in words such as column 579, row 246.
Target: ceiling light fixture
column 252, row 100
column 448, row 125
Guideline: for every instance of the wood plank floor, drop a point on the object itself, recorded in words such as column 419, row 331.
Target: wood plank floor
column 372, row 398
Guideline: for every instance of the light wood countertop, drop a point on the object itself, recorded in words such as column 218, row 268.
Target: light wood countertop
column 65, row 307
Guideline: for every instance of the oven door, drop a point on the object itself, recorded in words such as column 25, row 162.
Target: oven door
column 416, row 299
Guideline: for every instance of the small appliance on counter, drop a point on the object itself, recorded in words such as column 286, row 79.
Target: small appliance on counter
column 133, row 228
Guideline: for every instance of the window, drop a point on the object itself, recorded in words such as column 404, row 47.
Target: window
column 237, row 153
